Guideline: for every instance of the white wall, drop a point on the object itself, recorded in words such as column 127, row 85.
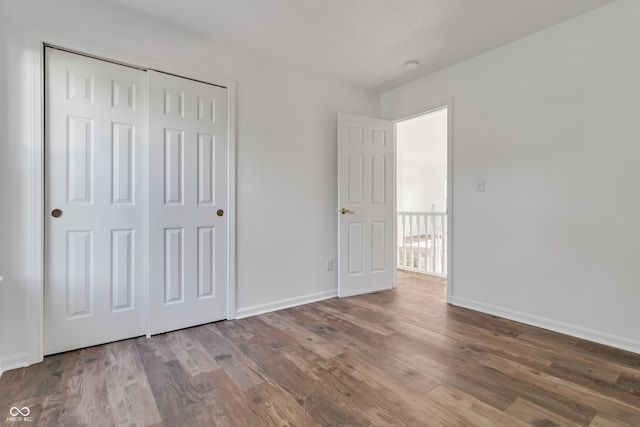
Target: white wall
column 14, row 205
column 551, row 123
column 420, row 187
column 286, row 154
column 421, row 152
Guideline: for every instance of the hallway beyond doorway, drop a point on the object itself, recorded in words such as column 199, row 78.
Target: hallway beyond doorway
column 421, row 202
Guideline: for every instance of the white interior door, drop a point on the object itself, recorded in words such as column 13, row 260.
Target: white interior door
column 366, row 205
column 95, row 201
column 187, row 201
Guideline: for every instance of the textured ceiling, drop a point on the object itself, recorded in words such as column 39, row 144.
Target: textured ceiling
column 364, row 42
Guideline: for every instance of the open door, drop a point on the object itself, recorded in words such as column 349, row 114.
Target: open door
column 365, row 205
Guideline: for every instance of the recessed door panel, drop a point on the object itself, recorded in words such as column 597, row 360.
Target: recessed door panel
column 173, row 103
column 123, row 95
column 206, row 262
column 379, row 136
column 355, row 249
column 80, row 86
column 173, row 265
column 207, row 109
column 123, row 164
column 79, row 277
column 378, row 246
column 378, row 179
column 355, row 176
column 173, row 166
column 122, row 269
column 206, row 169
column 80, row 157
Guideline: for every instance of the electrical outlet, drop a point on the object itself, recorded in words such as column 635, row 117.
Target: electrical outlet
column 329, row 265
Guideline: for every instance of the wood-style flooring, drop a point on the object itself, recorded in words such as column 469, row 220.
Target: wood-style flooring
column 401, row 357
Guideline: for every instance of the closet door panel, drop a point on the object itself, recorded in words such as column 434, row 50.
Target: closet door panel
column 95, row 201
column 187, row 196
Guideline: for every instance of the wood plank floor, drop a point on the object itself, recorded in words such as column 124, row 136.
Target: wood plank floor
column 401, row 357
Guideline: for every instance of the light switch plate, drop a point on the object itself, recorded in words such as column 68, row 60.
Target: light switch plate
column 480, row 185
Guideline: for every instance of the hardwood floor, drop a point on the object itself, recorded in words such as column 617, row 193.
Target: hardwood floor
column 401, row 357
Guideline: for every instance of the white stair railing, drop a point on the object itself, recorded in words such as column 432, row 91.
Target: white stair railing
column 422, row 242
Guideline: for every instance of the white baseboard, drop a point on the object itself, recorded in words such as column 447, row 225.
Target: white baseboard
column 622, row 343
column 13, row 362
column 286, row 303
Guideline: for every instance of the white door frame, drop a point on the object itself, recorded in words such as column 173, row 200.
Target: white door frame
column 434, row 106
column 34, row 109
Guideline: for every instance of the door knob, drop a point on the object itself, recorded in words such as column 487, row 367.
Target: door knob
column 345, row 211
column 56, row 213
column 220, row 212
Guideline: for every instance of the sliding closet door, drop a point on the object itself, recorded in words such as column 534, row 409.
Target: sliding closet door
column 95, row 201
column 187, row 202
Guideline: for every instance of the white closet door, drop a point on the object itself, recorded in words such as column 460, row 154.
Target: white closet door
column 96, row 204
column 187, row 201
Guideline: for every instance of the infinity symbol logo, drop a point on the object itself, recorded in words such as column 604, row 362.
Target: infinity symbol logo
column 15, row 411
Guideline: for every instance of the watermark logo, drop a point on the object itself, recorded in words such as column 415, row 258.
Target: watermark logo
column 19, row 415
column 15, row 411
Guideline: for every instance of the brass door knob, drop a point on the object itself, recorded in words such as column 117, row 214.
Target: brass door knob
column 345, row 211
column 56, row 213
column 220, row 212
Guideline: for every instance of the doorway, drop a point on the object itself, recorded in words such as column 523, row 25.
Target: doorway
column 422, row 191
column 367, row 205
